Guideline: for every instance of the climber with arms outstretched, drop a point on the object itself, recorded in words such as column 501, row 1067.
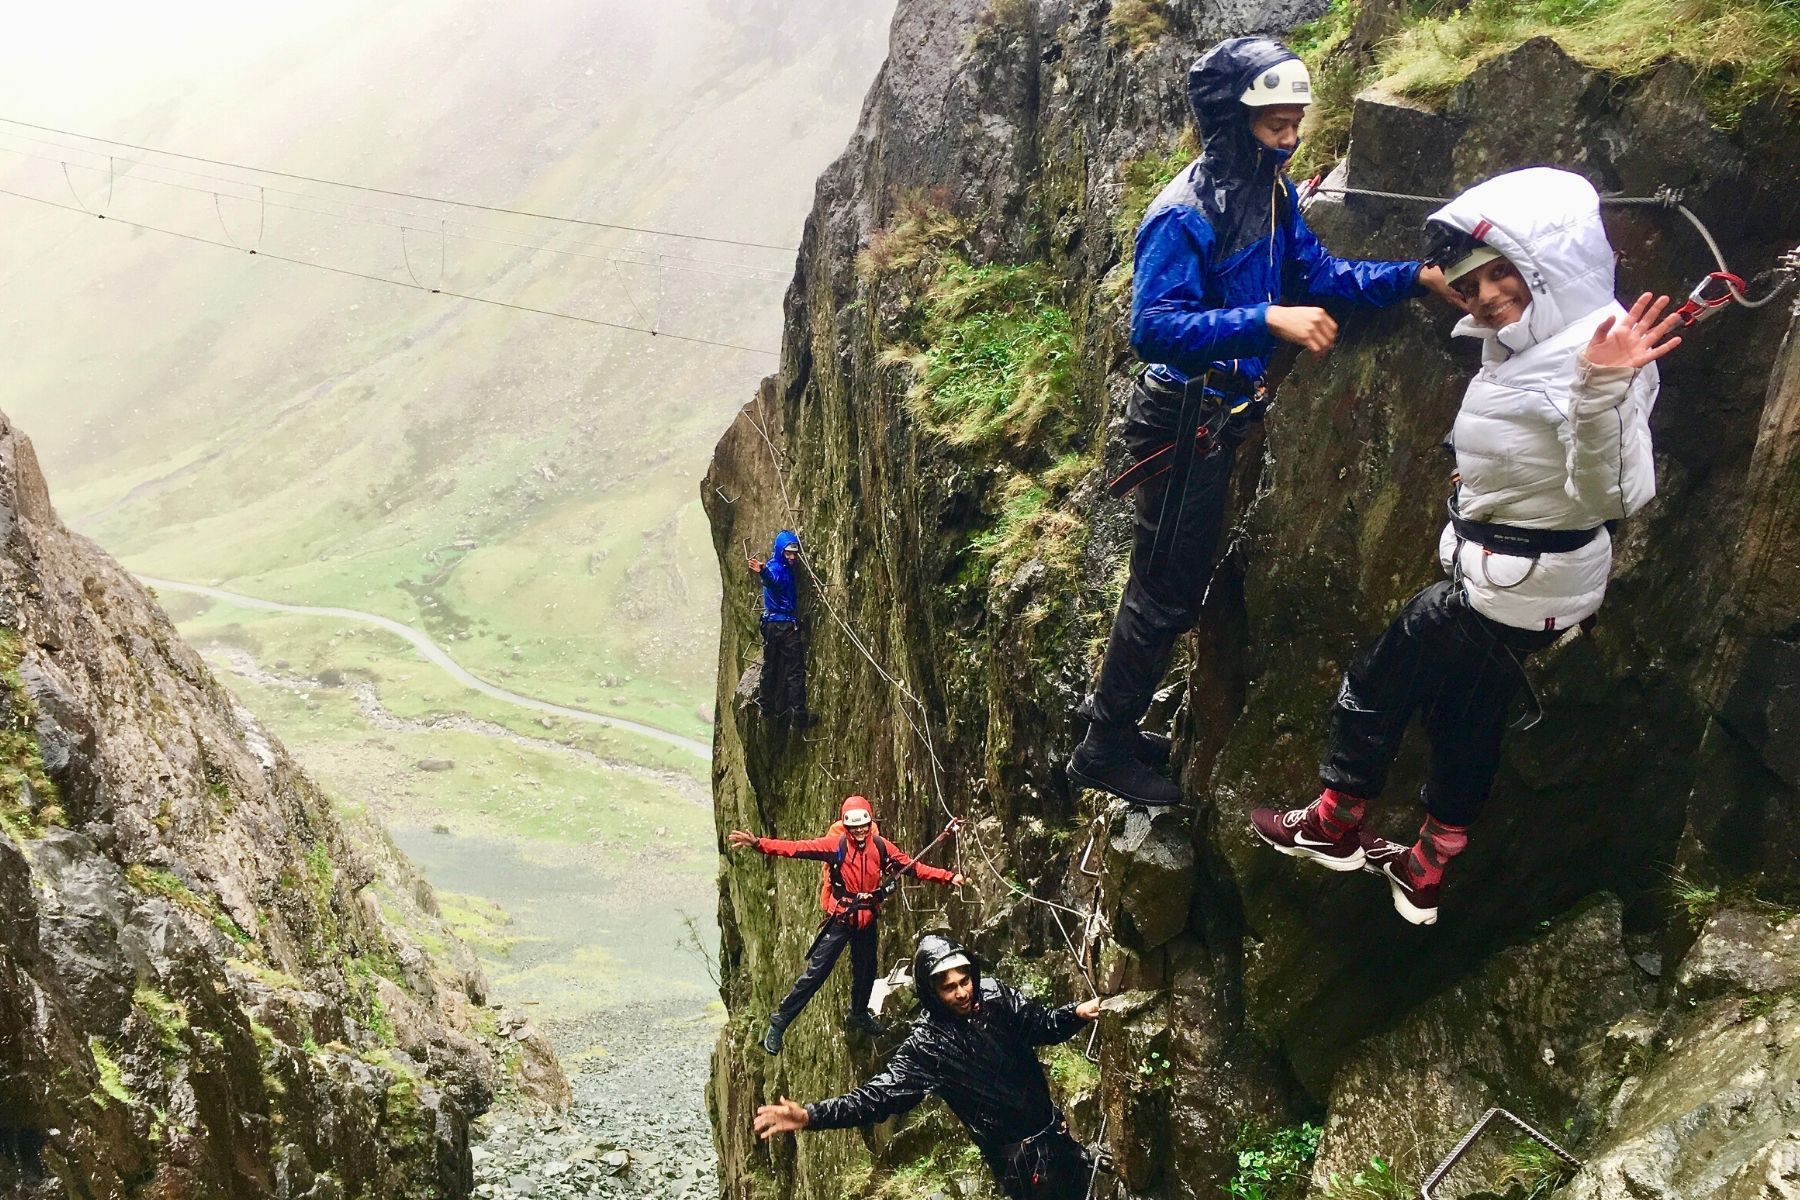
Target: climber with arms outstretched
column 974, row 1046
column 1225, row 269
column 781, row 689
column 858, row 861
column 1552, row 446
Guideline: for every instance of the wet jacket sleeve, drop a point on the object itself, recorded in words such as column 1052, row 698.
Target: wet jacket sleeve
column 1171, row 319
column 917, row 870
column 818, row 849
column 1324, row 276
column 899, row 1088
column 1040, row 1025
column 1593, row 436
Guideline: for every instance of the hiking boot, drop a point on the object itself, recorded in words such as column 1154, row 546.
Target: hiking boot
column 867, row 1022
column 771, row 1042
column 1416, row 901
column 1154, row 750
column 1297, row 832
column 1107, row 761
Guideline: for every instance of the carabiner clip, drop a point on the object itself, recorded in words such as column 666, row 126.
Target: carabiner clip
column 1698, row 306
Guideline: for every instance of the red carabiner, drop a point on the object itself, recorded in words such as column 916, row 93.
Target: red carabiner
column 1698, row 306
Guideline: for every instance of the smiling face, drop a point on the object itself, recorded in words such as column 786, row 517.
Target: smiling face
column 956, row 989
column 1278, row 125
column 1494, row 292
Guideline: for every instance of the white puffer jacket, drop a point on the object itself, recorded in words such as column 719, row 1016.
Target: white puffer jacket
column 1543, row 439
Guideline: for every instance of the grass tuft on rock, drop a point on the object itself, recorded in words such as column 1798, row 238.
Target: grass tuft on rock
column 28, row 799
column 995, row 357
column 112, row 1078
column 1137, row 25
column 1743, row 51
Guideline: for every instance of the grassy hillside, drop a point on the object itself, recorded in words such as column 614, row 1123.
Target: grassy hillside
column 521, row 487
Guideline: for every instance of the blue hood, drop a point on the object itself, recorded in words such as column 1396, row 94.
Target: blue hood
column 780, row 596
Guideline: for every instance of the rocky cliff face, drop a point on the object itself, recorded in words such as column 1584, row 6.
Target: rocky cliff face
column 940, row 429
column 210, row 985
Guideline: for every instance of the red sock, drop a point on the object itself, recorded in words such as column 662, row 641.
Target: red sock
column 1336, row 814
column 1438, row 843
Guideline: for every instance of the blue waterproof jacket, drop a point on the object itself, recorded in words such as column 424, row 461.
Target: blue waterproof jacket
column 1226, row 238
column 781, row 600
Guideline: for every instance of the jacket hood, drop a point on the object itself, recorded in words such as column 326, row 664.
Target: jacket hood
column 783, row 540
column 935, row 948
column 1547, row 224
column 1215, row 82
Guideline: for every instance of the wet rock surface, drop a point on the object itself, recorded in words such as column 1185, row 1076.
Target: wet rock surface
column 210, row 983
column 1257, row 981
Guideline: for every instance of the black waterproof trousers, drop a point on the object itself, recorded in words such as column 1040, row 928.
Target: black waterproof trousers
column 1164, row 590
column 1051, row 1166
column 823, row 957
column 1460, row 671
column 782, row 688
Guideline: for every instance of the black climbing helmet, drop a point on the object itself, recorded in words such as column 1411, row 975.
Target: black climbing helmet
column 936, row 954
column 1446, row 245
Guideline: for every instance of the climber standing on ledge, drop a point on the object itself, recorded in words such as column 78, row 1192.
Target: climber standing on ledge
column 1219, row 254
column 1552, row 445
column 781, row 689
column 976, row 1048
column 858, row 860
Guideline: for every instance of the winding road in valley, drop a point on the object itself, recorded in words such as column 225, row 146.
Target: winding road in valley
column 438, row 657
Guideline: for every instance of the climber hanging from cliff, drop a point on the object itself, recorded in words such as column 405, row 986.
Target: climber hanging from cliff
column 975, row 1047
column 858, row 862
column 1225, row 268
column 1552, row 446
column 781, row 690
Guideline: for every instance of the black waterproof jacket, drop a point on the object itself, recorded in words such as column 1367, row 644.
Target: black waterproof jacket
column 983, row 1066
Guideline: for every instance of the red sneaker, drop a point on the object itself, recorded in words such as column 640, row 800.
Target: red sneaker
column 1291, row 833
column 1417, row 902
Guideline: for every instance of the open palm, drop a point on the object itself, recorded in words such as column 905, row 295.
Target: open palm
column 1636, row 340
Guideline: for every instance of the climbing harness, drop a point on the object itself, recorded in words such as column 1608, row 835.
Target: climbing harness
column 1487, row 1118
column 891, row 875
column 1698, row 306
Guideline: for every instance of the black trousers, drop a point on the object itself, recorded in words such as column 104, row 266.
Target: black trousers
column 1460, row 671
column 823, row 956
column 782, row 688
column 1164, row 590
column 1052, row 1166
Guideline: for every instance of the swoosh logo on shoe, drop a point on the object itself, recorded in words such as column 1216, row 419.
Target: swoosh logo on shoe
column 1300, row 839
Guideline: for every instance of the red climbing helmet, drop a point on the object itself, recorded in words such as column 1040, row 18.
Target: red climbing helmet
column 857, row 812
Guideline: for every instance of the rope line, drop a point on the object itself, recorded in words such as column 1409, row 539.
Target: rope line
column 1666, row 197
column 608, row 254
column 400, row 283
column 381, row 191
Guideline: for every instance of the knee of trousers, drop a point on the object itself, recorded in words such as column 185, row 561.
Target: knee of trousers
column 1145, row 616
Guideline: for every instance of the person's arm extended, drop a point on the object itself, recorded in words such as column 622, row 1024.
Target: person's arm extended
column 818, row 849
column 1328, row 277
column 1171, row 320
column 1043, row 1025
column 897, row 1089
column 1604, row 374
column 918, row 870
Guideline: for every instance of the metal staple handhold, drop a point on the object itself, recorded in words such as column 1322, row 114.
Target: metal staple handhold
column 1462, row 1148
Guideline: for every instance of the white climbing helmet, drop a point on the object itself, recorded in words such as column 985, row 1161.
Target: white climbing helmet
column 1287, row 82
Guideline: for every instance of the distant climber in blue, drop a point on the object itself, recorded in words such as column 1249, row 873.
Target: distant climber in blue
column 782, row 687
column 1553, row 449
column 1225, row 269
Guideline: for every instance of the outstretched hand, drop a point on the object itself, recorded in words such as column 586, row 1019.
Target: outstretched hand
column 785, row 1117
column 755, row 565
column 1089, row 1010
column 741, row 837
column 1636, row 340
column 957, row 880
